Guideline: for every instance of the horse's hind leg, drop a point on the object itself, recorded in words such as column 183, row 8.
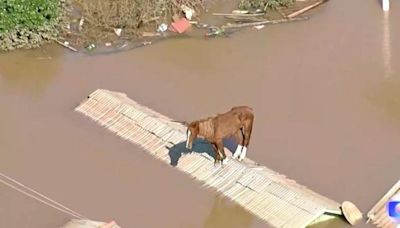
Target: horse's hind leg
column 217, row 154
column 248, row 127
column 240, row 141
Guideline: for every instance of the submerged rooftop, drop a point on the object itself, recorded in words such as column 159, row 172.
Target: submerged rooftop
column 279, row 201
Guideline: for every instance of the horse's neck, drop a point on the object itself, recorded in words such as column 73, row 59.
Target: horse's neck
column 206, row 128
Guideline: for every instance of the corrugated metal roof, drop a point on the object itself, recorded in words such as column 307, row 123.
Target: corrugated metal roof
column 279, row 201
column 378, row 214
column 84, row 223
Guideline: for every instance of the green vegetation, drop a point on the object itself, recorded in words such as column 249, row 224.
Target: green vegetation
column 263, row 4
column 27, row 23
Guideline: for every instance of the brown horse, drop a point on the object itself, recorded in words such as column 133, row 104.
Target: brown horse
column 237, row 122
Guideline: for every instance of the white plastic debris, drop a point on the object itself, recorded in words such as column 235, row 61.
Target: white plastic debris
column 258, row 27
column 162, row 28
column 118, row 31
column 68, row 27
column 189, row 12
column 81, row 23
column 108, row 44
column 240, row 12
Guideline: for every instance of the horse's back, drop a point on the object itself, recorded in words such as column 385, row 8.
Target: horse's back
column 243, row 110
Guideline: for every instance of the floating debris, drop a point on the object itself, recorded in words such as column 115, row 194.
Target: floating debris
column 202, row 25
column 243, row 25
column 65, row 44
column 176, row 17
column 124, row 45
column 189, row 12
column 240, row 11
column 81, row 24
column 162, row 28
column 68, row 27
column 215, row 31
column 90, row 47
column 299, row 7
column 118, row 31
column 180, row 26
column 239, row 15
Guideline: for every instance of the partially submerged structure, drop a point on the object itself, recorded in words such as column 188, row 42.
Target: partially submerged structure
column 85, row 223
column 378, row 214
column 279, row 201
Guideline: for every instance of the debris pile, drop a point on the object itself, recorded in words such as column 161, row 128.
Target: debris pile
column 125, row 24
column 116, row 23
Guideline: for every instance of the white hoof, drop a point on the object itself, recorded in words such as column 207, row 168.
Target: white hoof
column 243, row 154
column 238, row 151
column 225, row 161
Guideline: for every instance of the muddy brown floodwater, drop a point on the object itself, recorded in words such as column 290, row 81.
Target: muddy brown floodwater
column 325, row 93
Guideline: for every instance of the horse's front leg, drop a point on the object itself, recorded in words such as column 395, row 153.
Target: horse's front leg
column 217, row 155
column 221, row 151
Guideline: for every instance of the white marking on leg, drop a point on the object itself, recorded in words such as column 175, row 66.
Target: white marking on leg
column 225, row 161
column 187, row 140
column 243, row 154
column 220, row 154
column 238, row 151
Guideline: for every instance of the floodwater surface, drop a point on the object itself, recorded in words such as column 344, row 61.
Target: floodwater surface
column 325, row 94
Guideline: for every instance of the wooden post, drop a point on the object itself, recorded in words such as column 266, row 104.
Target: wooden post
column 385, row 5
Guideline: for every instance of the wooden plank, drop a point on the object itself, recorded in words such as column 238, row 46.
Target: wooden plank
column 305, row 9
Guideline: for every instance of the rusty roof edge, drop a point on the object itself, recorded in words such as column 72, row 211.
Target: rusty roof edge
column 313, row 218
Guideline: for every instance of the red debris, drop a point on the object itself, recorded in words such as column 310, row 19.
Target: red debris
column 180, row 26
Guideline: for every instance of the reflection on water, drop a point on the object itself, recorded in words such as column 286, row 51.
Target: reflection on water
column 227, row 214
column 387, row 55
column 30, row 70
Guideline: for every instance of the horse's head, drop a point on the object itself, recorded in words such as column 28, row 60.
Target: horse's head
column 192, row 132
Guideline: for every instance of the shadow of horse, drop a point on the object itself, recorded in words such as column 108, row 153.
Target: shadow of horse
column 199, row 146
